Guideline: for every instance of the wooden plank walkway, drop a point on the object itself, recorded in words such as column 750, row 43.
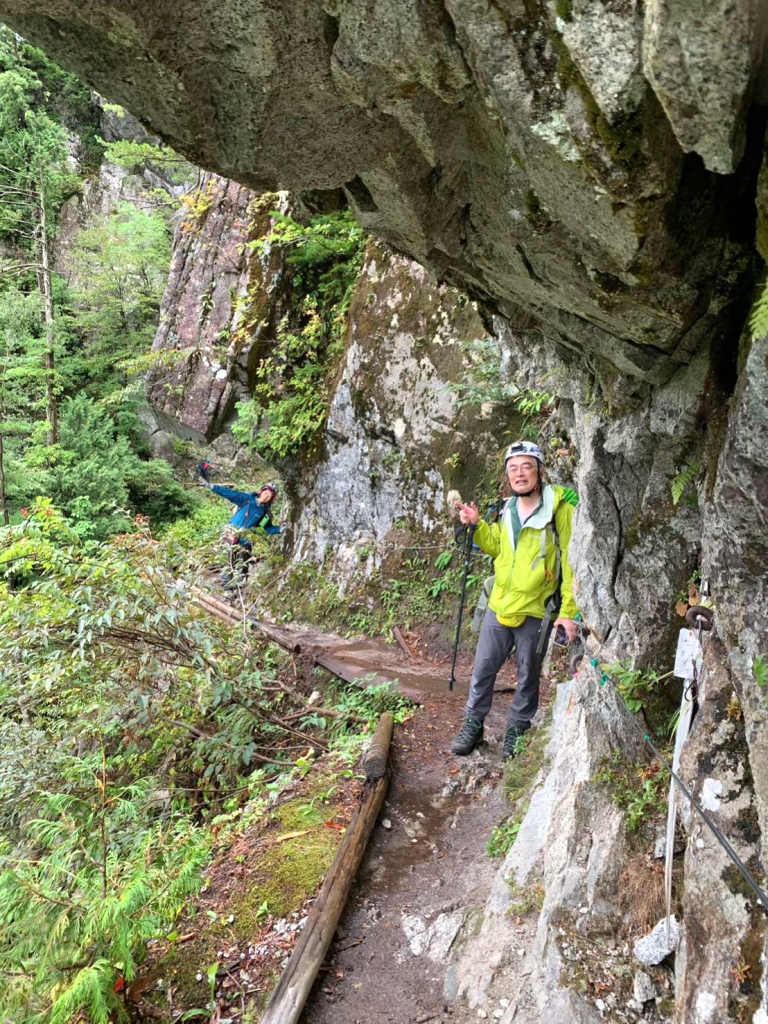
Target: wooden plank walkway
column 368, row 661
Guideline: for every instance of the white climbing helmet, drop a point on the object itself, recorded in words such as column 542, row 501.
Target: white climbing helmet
column 524, row 448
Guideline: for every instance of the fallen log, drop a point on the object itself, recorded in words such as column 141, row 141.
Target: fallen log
column 345, row 670
column 376, row 757
column 217, row 609
column 278, row 636
column 297, row 979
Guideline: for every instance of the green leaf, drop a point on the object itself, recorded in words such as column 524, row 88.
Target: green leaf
column 760, row 668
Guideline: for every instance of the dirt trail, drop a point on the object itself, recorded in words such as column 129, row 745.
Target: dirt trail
column 426, row 875
column 426, row 866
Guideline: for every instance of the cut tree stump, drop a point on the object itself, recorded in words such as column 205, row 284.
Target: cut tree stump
column 297, row 979
column 377, row 755
column 401, row 642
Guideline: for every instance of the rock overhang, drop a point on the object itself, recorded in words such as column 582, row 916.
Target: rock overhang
column 542, row 156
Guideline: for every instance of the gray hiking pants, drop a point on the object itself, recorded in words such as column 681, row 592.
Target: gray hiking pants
column 494, row 646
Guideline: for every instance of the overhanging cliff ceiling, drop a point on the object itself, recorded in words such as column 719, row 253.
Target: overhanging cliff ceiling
column 590, row 164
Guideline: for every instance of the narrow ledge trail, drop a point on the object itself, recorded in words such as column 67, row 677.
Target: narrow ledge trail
column 425, row 879
column 426, row 875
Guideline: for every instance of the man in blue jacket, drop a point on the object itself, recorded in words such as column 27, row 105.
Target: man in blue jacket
column 252, row 512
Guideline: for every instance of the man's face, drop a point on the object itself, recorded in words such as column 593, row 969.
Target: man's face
column 522, row 471
column 265, row 496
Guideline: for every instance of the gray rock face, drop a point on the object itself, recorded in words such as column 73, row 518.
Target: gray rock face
column 434, row 939
column 571, row 846
column 659, row 943
column 702, row 61
column 392, row 423
column 722, row 928
column 521, row 151
column 221, row 303
column 642, row 987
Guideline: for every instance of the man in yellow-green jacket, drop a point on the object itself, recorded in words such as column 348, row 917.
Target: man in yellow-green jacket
column 529, row 546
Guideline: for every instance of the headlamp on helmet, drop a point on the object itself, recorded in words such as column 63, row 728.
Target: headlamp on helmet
column 524, row 448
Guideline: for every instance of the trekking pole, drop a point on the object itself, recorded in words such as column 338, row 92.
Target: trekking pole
column 467, row 557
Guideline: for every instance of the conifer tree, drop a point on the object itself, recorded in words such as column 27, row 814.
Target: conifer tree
column 33, row 180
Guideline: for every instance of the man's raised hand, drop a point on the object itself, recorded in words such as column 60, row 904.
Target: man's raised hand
column 468, row 514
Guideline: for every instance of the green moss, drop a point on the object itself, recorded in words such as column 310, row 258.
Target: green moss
column 521, row 771
column 622, row 139
column 291, row 870
column 745, row 995
column 534, row 211
column 761, row 233
column 564, row 9
column 527, row 899
column 733, row 879
column 638, row 789
column 761, row 202
column 532, row 203
column 286, row 873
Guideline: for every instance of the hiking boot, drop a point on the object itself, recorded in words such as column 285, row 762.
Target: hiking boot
column 470, row 736
column 512, row 735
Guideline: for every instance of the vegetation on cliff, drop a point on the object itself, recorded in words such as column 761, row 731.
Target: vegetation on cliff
column 292, row 389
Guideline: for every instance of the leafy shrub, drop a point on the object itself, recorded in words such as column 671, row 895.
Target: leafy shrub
column 502, row 838
column 635, row 686
column 153, row 491
column 370, row 702
column 200, row 528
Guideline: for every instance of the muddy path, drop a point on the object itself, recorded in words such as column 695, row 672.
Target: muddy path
column 425, row 878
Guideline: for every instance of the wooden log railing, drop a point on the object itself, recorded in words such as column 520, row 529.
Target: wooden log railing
column 297, row 979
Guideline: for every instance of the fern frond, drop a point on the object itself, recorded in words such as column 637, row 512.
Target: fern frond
column 682, row 480
column 88, row 994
